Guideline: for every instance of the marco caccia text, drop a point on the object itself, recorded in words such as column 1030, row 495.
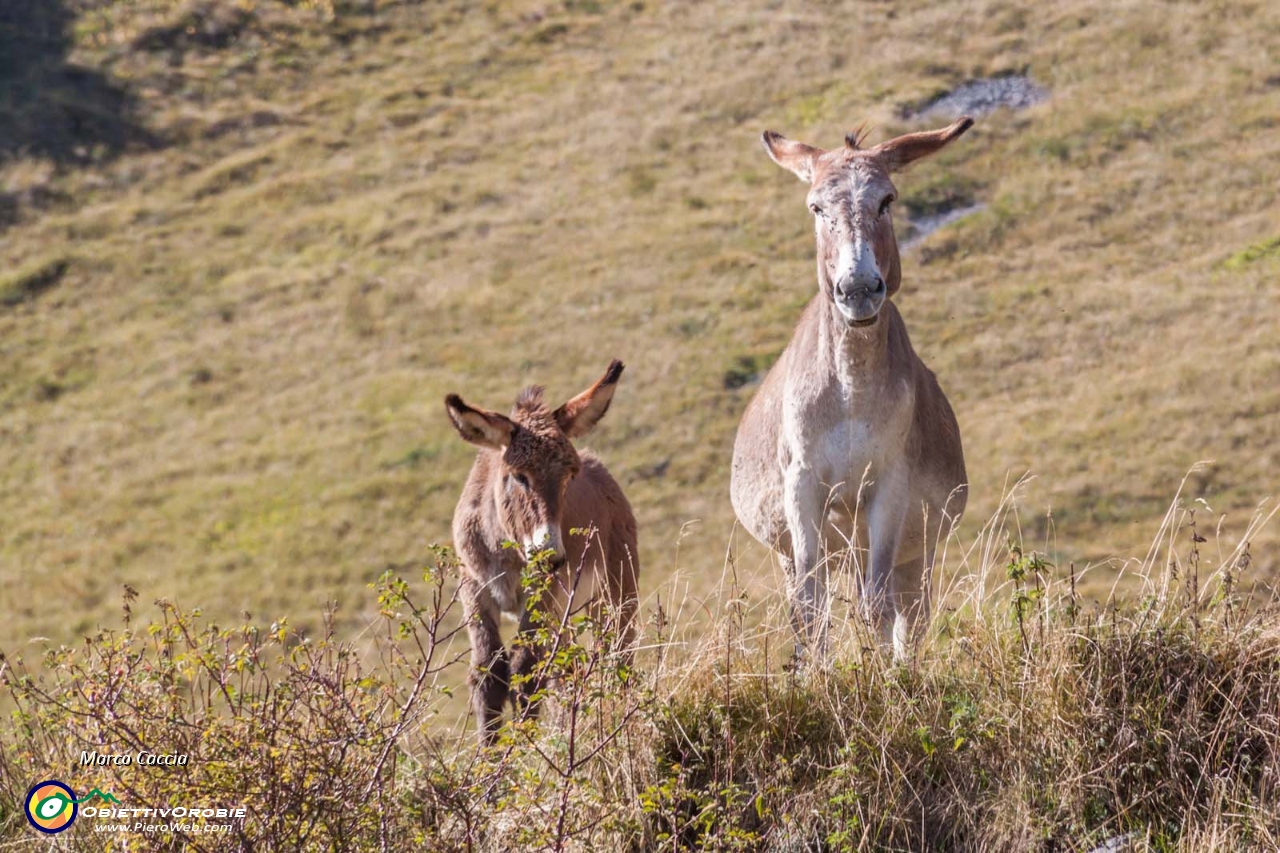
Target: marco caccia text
column 141, row 759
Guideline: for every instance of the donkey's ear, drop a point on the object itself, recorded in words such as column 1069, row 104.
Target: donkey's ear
column 487, row 429
column 791, row 155
column 903, row 150
column 584, row 411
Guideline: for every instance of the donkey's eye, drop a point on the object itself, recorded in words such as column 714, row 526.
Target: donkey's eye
column 884, row 205
column 521, row 480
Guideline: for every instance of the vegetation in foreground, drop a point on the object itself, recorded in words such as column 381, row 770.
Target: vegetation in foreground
column 1030, row 721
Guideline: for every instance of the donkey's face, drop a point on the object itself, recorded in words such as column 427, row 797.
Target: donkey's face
column 850, row 194
column 535, row 458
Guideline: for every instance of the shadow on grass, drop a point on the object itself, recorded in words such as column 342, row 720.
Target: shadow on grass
column 51, row 107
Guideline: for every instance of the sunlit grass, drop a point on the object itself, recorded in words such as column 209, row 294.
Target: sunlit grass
column 1030, row 718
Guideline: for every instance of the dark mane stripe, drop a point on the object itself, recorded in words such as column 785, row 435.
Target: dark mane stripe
column 530, row 400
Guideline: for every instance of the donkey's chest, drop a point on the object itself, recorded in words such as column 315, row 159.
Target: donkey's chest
column 858, row 438
column 848, row 448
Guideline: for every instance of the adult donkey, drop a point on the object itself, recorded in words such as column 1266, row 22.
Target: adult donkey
column 850, row 439
column 529, row 486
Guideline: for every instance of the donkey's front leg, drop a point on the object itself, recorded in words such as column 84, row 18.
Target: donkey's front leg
column 885, row 516
column 489, row 678
column 528, row 677
column 807, row 579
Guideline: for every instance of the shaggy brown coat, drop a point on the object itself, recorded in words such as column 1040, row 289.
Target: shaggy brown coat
column 529, row 486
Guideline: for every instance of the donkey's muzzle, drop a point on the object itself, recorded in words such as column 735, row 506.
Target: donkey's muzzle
column 859, row 302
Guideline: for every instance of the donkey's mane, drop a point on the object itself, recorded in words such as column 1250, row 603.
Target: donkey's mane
column 529, row 401
column 857, row 136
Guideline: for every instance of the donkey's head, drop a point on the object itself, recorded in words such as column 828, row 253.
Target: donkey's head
column 535, row 457
column 849, row 195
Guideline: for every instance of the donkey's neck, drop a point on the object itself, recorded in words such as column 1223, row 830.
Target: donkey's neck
column 859, row 359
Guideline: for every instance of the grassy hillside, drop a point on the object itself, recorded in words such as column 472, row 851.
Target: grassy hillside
column 247, row 248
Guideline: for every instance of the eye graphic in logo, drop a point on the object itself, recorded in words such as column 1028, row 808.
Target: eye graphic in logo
column 51, row 806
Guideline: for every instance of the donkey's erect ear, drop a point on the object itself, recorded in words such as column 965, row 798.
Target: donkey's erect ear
column 487, row 429
column 791, row 155
column 584, row 411
column 899, row 152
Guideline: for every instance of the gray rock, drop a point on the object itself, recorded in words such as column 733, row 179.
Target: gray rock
column 984, row 95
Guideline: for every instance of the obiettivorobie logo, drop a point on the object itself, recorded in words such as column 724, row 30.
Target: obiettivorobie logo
column 52, row 806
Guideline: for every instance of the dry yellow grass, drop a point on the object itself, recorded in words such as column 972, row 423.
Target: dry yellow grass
column 231, row 395
column 1031, row 721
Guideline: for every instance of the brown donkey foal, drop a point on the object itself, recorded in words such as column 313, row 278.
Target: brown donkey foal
column 531, row 488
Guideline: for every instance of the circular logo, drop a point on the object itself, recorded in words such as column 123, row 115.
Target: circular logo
column 51, row 806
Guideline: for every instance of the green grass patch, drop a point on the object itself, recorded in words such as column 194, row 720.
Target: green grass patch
column 1264, row 251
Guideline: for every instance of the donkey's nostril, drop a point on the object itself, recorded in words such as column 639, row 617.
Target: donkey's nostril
column 879, row 285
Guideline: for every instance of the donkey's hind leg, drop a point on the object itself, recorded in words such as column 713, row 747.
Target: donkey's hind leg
column 625, row 603
column 910, row 607
column 909, row 593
